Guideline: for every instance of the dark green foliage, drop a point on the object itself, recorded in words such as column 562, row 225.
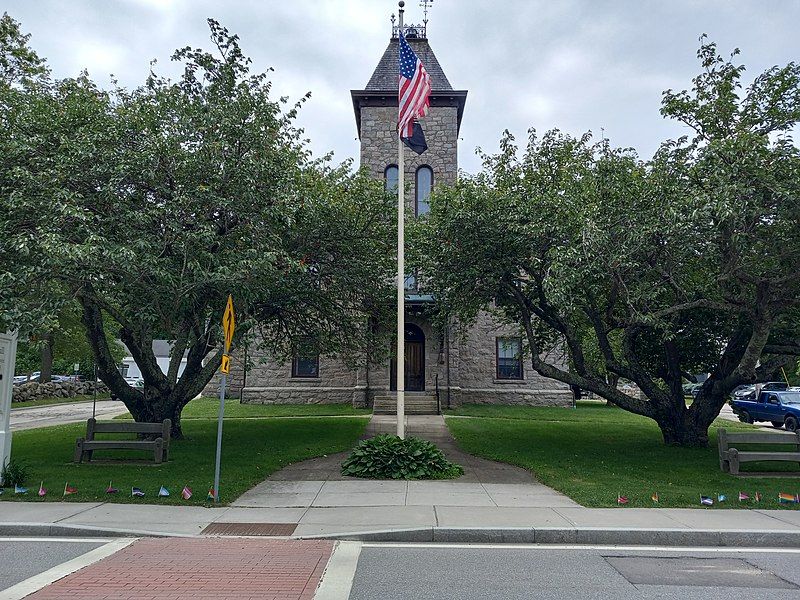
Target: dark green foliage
column 390, row 457
column 14, row 473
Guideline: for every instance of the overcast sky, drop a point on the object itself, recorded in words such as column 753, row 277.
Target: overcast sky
column 577, row 65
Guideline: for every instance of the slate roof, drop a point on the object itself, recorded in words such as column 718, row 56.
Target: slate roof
column 384, row 79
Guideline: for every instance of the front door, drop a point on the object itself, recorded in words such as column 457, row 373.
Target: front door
column 415, row 361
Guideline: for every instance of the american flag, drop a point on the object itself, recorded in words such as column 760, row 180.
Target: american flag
column 415, row 89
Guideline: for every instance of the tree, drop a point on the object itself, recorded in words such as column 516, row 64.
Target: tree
column 150, row 206
column 686, row 263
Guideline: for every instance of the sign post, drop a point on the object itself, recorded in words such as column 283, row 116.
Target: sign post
column 228, row 325
column 8, row 359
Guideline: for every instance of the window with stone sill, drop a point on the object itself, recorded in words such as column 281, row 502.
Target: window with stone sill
column 509, row 358
column 305, row 363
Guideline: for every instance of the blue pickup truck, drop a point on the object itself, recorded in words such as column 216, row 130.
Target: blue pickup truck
column 781, row 408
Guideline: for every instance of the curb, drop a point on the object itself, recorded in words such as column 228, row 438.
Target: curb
column 610, row 536
column 77, row 531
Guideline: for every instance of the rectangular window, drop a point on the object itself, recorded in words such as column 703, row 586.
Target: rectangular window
column 305, row 362
column 509, row 358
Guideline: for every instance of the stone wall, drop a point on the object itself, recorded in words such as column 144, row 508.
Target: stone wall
column 61, row 389
column 474, row 359
column 379, row 145
column 270, row 381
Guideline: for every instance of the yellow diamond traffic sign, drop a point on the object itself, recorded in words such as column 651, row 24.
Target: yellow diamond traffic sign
column 228, row 324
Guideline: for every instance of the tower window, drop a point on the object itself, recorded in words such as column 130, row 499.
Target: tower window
column 390, row 178
column 424, row 184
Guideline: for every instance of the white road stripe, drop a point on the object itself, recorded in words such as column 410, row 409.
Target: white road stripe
column 37, row 582
column 678, row 549
column 337, row 580
column 71, row 540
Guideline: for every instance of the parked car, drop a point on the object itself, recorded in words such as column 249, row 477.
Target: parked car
column 748, row 392
column 691, row 389
column 20, row 379
column 134, row 382
column 779, row 407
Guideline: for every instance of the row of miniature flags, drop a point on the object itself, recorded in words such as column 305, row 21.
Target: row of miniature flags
column 709, row 501
column 163, row 492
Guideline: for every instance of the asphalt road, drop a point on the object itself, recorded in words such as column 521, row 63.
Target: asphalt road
column 59, row 414
column 421, row 572
column 23, row 558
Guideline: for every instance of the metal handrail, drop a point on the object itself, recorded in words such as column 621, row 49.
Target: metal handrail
column 438, row 400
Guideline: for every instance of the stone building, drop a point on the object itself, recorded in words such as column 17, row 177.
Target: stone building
column 482, row 364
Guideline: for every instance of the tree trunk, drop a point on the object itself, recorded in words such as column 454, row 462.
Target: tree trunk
column 158, row 407
column 46, row 373
column 683, row 432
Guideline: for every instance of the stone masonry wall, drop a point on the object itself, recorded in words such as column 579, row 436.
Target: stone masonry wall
column 379, row 145
column 475, row 359
column 270, row 381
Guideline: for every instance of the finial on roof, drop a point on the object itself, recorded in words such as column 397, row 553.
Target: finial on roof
column 409, row 30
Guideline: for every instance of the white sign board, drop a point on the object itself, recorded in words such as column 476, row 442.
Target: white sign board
column 8, row 357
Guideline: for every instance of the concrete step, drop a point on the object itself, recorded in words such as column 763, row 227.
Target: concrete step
column 415, row 404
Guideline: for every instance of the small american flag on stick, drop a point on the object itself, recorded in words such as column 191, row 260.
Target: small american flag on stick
column 415, row 89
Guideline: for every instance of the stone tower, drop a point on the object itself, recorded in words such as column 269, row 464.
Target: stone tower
column 376, row 117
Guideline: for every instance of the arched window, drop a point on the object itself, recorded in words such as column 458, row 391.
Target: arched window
column 424, row 184
column 390, row 178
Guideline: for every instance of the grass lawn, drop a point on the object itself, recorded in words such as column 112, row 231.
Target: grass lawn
column 46, row 401
column 595, row 452
column 207, row 408
column 252, row 449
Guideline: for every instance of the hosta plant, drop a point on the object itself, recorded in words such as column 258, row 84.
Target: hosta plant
column 390, row 457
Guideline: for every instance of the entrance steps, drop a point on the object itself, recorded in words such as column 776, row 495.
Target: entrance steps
column 416, row 403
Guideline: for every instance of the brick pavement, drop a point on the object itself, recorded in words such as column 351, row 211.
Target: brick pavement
column 207, row 568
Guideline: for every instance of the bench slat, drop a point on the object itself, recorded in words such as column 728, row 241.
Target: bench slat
column 127, row 427
column 766, row 437
column 756, row 456
column 122, row 444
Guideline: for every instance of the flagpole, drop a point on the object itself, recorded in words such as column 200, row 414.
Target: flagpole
column 401, row 279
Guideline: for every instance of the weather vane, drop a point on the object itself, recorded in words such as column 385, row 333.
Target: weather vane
column 425, row 4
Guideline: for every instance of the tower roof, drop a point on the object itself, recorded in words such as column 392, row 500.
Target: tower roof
column 384, row 78
column 382, row 87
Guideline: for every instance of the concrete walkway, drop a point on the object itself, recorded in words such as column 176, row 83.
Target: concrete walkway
column 60, row 414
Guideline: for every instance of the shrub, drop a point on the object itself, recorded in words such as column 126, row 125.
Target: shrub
column 389, row 457
column 13, row 473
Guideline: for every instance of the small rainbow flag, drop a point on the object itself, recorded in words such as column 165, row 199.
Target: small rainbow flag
column 210, row 496
column 42, row 491
column 757, row 497
column 111, row 489
column 706, row 501
column 18, row 489
column 721, row 497
column 743, row 497
column 163, row 492
column 69, row 490
column 622, row 499
column 654, row 497
column 785, row 498
column 186, row 493
column 137, row 492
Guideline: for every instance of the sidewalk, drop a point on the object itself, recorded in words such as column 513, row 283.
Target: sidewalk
column 492, row 502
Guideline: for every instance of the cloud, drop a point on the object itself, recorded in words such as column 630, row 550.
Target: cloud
column 572, row 64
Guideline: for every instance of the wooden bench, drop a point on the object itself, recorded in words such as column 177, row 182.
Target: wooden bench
column 730, row 457
column 158, row 446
